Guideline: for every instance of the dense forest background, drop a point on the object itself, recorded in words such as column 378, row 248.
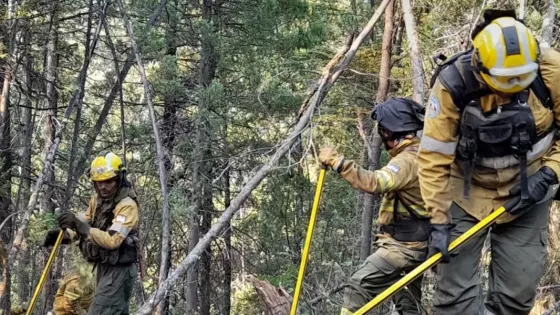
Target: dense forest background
column 203, row 99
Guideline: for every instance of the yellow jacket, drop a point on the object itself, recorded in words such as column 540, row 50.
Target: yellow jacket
column 398, row 176
column 441, row 179
column 74, row 296
column 125, row 220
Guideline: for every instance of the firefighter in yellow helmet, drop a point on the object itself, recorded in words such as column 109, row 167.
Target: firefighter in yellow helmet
column 489, row 137
column 108, row 234
column 402, row 241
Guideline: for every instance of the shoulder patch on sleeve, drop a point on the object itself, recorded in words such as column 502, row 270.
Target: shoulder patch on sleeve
column 433, row 107
column 393, row 168
column 120, row 219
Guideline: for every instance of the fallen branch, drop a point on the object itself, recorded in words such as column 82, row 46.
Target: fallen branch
column 326, row 83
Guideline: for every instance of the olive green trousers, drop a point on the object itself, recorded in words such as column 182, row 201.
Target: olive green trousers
column 114, row 289
column 518, row 258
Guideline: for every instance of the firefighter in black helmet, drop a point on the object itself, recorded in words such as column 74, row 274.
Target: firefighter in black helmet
column 404, row 224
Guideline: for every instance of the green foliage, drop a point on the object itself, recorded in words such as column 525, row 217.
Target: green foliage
column 246, row 301
column 39, row 225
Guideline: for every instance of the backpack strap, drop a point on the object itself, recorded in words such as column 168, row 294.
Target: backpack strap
column 541, row 91
column 459, row 80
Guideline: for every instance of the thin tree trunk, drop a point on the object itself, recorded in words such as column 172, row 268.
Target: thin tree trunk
column 548, row 24
column 331, row 75
column 202, row 166
column 168, row 141
column 397, row 47
column 165, row 240
column 75, row 101
column 192, row 275
column 50, row 104
column 415, row 57
column 26, row 145
column 371, row 135
column 226, row 283
column 6, row 156
column 521, row 14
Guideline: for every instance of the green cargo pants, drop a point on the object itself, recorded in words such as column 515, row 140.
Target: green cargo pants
column 382, row 269
column 518, row 262
column 114, row 289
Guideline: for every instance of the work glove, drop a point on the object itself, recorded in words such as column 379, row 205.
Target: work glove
column 68, row 220
column 538, row 186
column 440, row 237
column 52, row 235
column 330, row 157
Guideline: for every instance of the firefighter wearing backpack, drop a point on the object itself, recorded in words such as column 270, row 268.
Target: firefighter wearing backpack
column 489, row 137
column 402, row 243
column 108, row 235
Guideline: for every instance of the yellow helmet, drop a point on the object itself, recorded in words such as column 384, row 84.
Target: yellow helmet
column 105, row 166
column 506, row 55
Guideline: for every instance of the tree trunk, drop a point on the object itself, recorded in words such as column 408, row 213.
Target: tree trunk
column 202, row 162
column 276, row 300
column 168, row 141
column 50, row 104
column 397, row 46
column 548, row 25
column 415, row 57
column 6, row 157
column 331, row 74
column 521, row 14
column 371, row 138
column 226, row 283
column 23, row 275
column 192, row 275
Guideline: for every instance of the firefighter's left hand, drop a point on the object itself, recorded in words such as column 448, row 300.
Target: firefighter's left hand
column 440, row 237
column 538, row 186
column 68, row 220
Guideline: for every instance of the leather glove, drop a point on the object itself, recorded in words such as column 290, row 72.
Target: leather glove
column 329, row 156
column 440, row 237
column 538, row 186
column 68, row 220
column 52, row 235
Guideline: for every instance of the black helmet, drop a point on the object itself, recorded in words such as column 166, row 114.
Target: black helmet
column 399, row 115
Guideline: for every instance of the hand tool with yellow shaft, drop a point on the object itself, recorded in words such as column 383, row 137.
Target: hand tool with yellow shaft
column 45, row 273
column 432, row 261
column 310, row 228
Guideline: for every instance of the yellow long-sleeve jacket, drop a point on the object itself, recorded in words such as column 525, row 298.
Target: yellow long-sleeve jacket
column 441, row 179
column 398, row 176
column 125, row 219
column 74, row 295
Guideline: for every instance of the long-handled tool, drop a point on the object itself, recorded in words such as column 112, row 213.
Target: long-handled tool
column 432, row 261
column 310, row 228
column 45, row 273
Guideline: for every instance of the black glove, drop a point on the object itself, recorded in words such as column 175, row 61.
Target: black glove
column 68, row 220
column 538, row 186
column 440, row 237
column 52, row 235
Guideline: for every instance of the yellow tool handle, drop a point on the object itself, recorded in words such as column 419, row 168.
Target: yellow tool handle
column 45, row 272
column 308, row 237
column 430, row 262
